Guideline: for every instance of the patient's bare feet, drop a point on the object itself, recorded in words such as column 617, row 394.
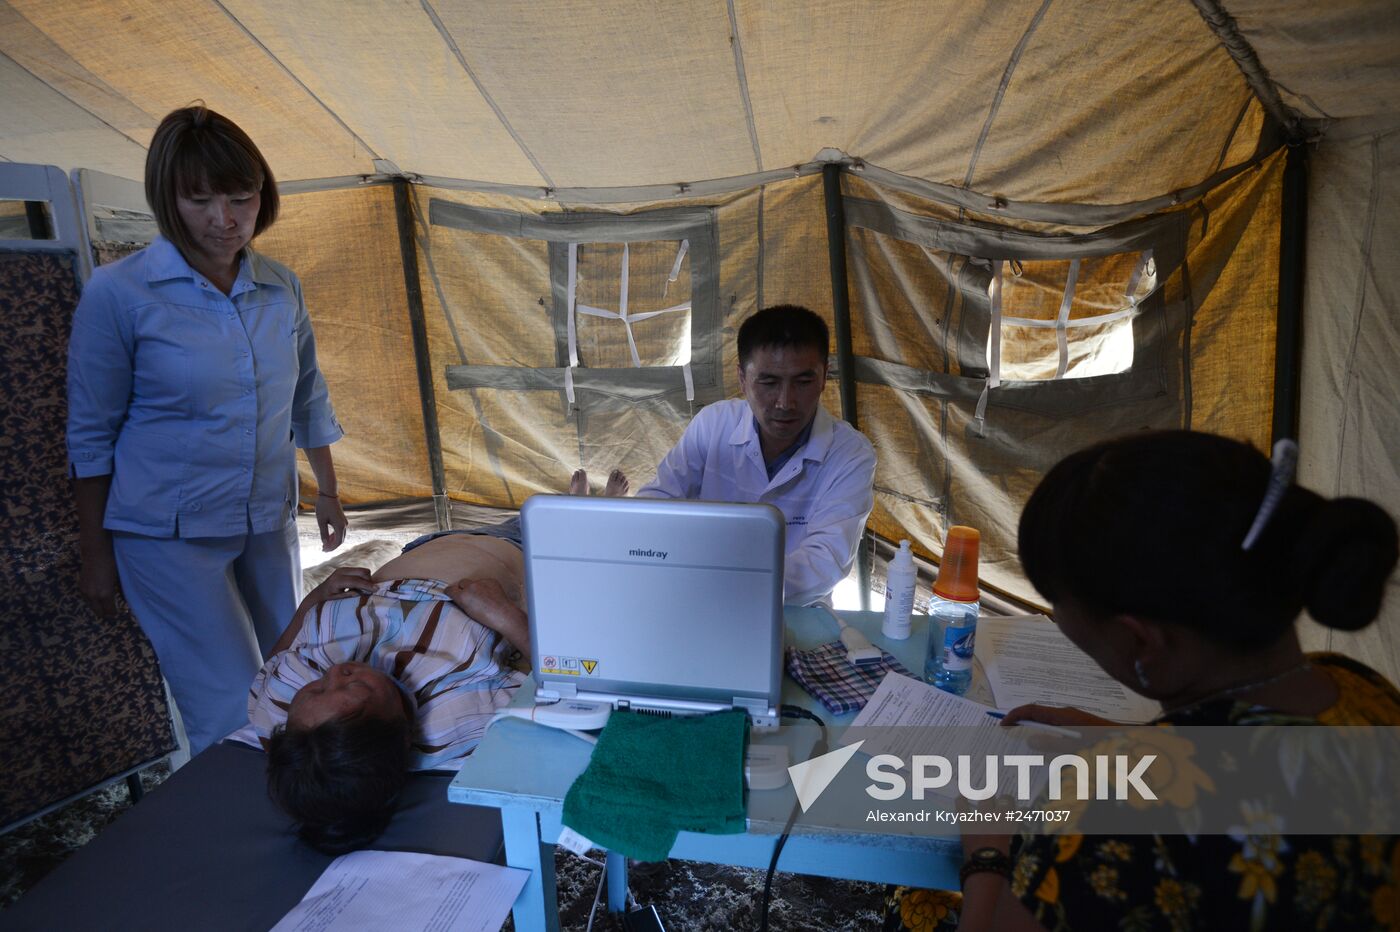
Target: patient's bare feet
column 617, row 484
column 578, row 483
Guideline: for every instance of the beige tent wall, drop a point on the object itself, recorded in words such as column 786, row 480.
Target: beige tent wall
column 598, row 95
column 151, row 56
column 1202, row 344
column 926, row 91
column 488, row 301
column 343, row 245
column 1233, row 280
column 1036, row 118
column 1350, row 430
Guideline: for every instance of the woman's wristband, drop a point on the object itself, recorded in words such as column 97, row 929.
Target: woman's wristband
column 986, row 860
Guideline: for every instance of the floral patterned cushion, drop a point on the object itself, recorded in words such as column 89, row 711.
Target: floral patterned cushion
column 81, row 698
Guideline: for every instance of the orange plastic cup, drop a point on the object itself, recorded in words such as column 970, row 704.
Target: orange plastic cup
column 957, row 574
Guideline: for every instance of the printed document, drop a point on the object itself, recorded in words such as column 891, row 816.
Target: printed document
column 406, row 890
column 897, row 718
column 1027, row 658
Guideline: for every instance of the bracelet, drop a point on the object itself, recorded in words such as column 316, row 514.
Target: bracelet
column 986, row 860
column 328, row 495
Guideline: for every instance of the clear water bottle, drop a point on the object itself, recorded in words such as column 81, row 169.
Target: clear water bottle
column 953, row 610
column 952, row 634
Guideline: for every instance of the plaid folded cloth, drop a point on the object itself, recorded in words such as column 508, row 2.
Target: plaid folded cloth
column 834, row 681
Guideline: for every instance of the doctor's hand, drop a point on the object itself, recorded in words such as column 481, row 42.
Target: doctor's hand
column 330, row 518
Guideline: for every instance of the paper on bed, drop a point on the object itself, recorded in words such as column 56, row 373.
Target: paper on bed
column 406, row 890
column 1027, row 658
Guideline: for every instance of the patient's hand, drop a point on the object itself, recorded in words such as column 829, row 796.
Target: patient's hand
column 479, row 596
column 486, row 601
column 345, row 582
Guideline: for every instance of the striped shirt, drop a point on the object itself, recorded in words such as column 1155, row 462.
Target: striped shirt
column 456, row 671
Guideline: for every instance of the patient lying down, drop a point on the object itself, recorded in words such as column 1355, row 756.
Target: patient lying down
column 382, row 673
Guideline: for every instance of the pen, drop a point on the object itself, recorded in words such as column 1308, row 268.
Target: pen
column 1040, row 726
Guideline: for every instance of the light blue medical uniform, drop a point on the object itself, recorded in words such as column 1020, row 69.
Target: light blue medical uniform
column 194, row 402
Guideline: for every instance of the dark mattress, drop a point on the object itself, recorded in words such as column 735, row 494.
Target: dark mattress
column 207, row 850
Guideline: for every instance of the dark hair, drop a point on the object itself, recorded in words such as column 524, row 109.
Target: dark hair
column 340, row 780
column 196, row 149
column 783, row 325
column 1152, row 525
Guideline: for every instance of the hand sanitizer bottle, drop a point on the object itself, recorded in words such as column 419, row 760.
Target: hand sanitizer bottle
column 953, row 613
column 899, row 594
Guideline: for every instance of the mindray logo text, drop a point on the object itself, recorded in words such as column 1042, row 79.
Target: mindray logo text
column 658, row 554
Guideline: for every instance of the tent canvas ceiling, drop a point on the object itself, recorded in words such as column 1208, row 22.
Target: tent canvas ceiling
column 970, row 134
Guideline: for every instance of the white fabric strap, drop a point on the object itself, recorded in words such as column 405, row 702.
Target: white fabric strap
column 1136, row 277
column 1062, row 338
column 591, row 311
column 622, row 305
column 622, row 313
column 573, row 327
column 628, row 321
column 1069, row 324
column 676, row 266
column 993, row 348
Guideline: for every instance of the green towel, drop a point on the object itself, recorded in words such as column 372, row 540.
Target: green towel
column 652, row 777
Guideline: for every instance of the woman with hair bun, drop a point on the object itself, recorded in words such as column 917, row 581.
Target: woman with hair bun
column 192, row 379
column 1180, row 562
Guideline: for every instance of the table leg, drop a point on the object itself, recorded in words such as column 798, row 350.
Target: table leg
column 617, row 883
column 536, row 909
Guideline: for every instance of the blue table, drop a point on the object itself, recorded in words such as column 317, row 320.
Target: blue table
column 525, row 769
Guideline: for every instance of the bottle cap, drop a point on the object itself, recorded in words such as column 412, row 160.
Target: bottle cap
column 957, row 574
column 904, row 557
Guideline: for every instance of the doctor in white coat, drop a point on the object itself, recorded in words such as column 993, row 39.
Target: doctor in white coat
column 777, row 445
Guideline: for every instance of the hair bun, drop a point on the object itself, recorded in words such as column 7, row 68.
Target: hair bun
column 1344, row 558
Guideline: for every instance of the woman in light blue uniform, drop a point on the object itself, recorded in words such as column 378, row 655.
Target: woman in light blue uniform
column 192, row 379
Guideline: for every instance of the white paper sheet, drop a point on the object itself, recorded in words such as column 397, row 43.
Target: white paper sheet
column 1027, row 658
column 406, row 890
column 897, row 718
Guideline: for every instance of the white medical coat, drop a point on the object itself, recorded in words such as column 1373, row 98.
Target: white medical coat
column 825, row 491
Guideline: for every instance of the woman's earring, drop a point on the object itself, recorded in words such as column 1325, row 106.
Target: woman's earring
column 1141, row 674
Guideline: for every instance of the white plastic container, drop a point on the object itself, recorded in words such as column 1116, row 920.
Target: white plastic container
column 899, row 594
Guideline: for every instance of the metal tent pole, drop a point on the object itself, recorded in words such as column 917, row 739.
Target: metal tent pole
column 841, row 316
column 1288, row 346
column 408, row 250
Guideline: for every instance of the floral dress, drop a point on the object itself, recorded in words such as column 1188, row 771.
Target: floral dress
column 1256, row 879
